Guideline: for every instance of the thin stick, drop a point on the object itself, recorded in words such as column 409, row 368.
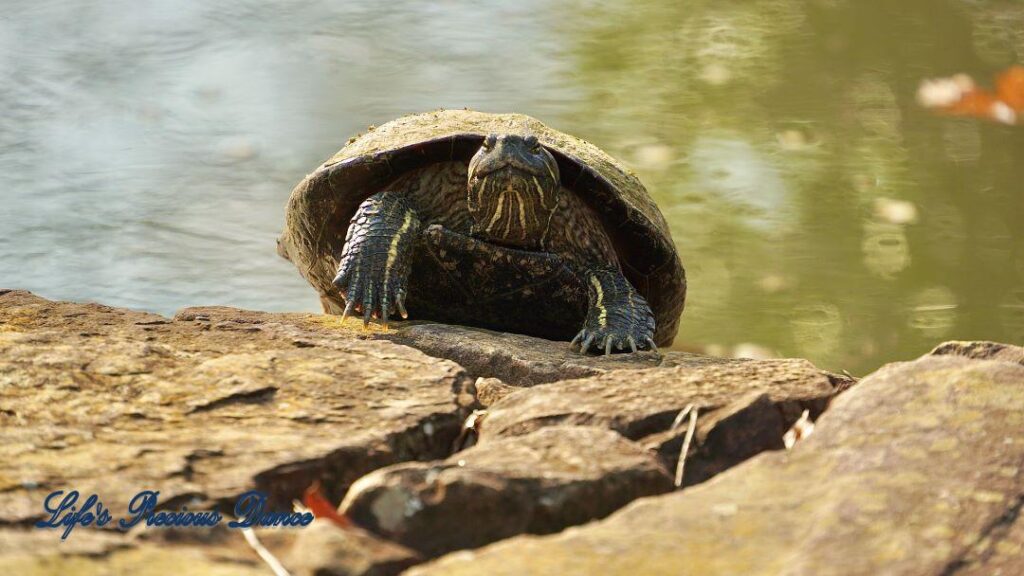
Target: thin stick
column 274, row 563
column 681, row 465
column 679, row 418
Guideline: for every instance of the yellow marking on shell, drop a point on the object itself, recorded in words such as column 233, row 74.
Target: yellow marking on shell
column 602, row 318
column 393, row 249
column 497, row 210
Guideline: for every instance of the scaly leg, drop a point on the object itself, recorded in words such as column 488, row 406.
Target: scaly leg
column 617, row 317
column 374, row 268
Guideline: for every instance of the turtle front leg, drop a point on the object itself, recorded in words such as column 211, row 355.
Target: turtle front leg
column 374, row 268
column 618, row 317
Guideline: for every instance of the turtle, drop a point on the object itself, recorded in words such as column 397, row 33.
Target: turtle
column 488, row 220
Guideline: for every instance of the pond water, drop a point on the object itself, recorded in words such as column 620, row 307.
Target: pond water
column 147, row 148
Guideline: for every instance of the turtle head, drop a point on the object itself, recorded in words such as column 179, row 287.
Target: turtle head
column 513, row 190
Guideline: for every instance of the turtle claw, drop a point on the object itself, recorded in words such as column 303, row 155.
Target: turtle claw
column 609, row 342
column 400, row 304
column 617, row 328
column 349, row 305
column 650, row 342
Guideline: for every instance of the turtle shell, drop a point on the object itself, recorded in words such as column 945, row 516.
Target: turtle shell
column 321, row 206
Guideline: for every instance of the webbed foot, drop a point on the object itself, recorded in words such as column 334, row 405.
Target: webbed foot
column 618, row 318
column 374, row 268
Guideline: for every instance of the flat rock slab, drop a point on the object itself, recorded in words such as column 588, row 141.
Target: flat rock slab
column 644, row 403
column 538, row 483
column 917, row 470
column 527, row 361
column 205, row 406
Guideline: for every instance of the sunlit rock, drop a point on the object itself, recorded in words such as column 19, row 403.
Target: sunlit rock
column 915, row 471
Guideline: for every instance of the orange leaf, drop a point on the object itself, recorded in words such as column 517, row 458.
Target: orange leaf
column 314, row 499
column 1010, row 88
column 977, row 103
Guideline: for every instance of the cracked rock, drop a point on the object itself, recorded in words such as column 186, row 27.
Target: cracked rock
column 917, row 470
column 538, row 483
column 112, row 401
column 644, row 402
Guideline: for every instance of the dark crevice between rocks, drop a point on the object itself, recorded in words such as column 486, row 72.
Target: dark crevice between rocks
column 504, row 505
column 982, row 548
column 726, row 436
column 430, row 440
column 541, row 483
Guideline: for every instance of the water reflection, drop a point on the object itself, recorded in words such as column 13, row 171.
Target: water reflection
column 147, row 148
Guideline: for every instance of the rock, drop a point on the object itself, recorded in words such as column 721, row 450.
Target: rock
column 324, row 549
column 487, row 391
column 538, row 483
column 205, row 406
column 981, row 351
column 526, row 361
column 48, row 559
column 644, row 402
column 724, row 437
column 919, row 469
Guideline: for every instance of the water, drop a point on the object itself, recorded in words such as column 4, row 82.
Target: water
column 147, row 148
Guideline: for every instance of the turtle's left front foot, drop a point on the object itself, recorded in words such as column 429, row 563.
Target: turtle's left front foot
column 618, row 318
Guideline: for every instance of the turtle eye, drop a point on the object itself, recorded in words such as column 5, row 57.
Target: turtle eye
column 532, row 143
column 490, row 141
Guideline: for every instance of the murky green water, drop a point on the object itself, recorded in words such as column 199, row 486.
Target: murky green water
column 147, row 148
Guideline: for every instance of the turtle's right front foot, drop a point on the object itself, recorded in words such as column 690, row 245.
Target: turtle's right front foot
column 618, row 319
column 374, row 269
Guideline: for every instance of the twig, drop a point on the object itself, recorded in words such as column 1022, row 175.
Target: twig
column 681, row 464
column 801, row 429
column 270, row 559
column 470, row 426
column 679, row 418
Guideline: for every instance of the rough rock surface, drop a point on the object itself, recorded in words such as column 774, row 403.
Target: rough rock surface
column 325, row 550
column 981, row 351
column 643, row 402
column 217, row 401
column 205, row 406
column 538, row 483
column 529, row 468
column 526, row 361
column 744, row 408
column 919, row 469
